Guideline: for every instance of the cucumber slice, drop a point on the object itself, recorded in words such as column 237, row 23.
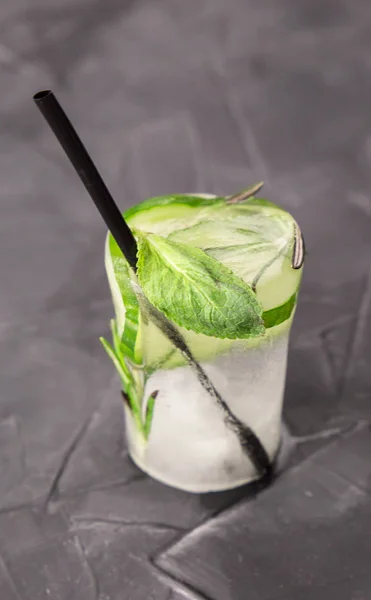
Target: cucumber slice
column 255, row 246
column 165, row 214
column 267, row 270
column 254, row 239
column 216, row 234
column 158, row 352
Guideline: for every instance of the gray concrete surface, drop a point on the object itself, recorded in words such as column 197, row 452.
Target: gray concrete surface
column 206, row 95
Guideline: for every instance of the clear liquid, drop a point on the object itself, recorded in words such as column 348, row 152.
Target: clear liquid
column 190, row 445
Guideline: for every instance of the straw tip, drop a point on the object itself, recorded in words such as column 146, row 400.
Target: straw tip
column 42, row 95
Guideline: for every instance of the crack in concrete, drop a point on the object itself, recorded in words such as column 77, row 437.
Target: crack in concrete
column 53, row 493
column 91, row 522
column 174, row 582
column 328, row 366
column 111, row 485
column 359, row 333
column 35, row 504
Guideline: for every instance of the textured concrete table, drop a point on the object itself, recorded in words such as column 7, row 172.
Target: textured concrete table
column 182, row 96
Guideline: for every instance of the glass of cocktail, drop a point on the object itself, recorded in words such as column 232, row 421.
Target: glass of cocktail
column 200, row 335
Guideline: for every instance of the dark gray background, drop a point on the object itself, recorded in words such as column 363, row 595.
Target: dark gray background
column 171, row 96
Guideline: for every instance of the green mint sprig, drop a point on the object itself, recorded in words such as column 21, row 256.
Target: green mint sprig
column 133, row 379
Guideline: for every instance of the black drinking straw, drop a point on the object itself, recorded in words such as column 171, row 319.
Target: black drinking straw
column 64, row 131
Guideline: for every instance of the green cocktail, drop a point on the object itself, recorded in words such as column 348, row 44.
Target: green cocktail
column 201, row 334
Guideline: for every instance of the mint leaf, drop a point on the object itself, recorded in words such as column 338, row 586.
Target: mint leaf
column 196, row 291
column 122, row 370
column 115, row 336
column 279, row 314
column 149, row 414
column 128, row 381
